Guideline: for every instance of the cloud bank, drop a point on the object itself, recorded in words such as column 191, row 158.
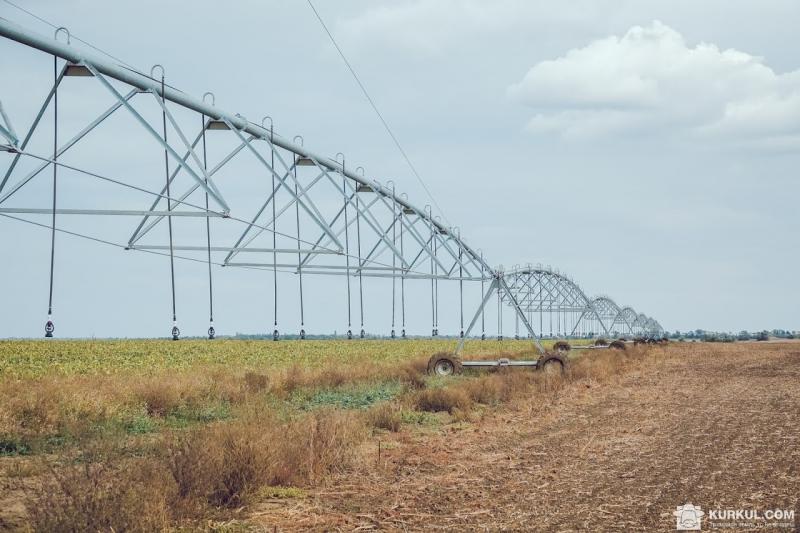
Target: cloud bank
column 651, row 82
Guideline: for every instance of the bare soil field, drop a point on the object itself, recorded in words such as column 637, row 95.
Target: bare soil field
column 711, row 424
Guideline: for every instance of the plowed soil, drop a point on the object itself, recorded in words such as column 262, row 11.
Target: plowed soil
column 711, row 424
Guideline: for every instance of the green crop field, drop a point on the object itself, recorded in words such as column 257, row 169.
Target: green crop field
column 21, row 359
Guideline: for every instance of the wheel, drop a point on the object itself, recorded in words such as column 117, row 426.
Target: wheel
column 443, row 364
column 552, row 364
column 601, row 342
column 617, row 345
column 562, row 346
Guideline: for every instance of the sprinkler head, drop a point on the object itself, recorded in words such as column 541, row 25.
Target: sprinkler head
column 393, row 334
column 363, row 333
column 275, row 335
column 461, row 334
column 302, row 334
column 211, row 333
column 49, row 328
column 403, row 333
column 483, row 336
column 176, row 333
column 349, row 334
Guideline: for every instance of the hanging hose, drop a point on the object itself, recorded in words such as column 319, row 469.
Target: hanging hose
column 360, row 277
column 433, row 303
column 499, row 317
column 558, row 319
column 530, row 303
column 175, row 331
column 347, row 251
column 394, row 257
column 275, row 334
column 461, row 287
column 49, row 327
column 211, row 332
column 299, row 258
column 541, row 309
column 402, row 286
column 483, row 318
column 436, row 287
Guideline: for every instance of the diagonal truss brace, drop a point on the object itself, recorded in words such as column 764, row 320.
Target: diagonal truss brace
column 499, row 284
column 309, row 207
column 6, row 128
column 178, row 159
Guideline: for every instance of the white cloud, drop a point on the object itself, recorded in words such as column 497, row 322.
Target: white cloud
column 649, row 81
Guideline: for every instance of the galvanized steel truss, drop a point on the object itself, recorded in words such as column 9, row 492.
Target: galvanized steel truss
column 350, row 225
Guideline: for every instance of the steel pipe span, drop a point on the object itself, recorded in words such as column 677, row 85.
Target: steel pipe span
column 357, row 228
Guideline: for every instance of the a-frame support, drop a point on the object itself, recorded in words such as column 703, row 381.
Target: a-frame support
column 499, row 284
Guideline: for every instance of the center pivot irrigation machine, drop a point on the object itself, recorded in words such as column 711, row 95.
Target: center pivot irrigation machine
column 317, row 215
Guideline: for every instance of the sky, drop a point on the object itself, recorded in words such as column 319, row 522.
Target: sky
column 649, row 149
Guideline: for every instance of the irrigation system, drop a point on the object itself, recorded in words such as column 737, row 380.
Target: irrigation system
column 320, row 216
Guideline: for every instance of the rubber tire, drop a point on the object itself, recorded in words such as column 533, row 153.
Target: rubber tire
column 551, row 358
column 561, row 346
column 444, row 357
column 601, row 342
column 617, row 345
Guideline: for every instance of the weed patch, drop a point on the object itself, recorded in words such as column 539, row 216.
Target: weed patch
column 349, row 397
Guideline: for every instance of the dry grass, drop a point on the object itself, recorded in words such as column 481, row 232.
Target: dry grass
column 607, row 364
column 445, row 399
column 98, row 497
column 224, row 465
column 218, row 466
column 385, row 416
